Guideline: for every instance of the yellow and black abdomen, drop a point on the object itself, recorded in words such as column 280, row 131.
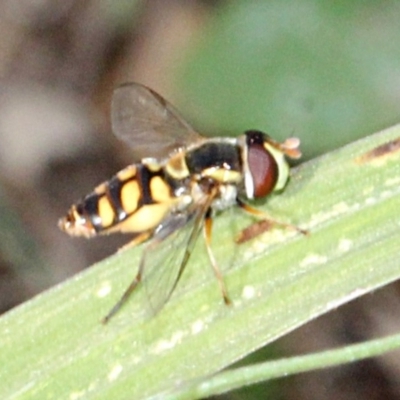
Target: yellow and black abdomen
column 135, row 200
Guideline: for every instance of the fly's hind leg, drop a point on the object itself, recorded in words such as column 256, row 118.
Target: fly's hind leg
column 261, row 226
column 137, row 240
column 217, row 272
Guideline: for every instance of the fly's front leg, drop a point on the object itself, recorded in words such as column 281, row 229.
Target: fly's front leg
column 217, row 272
column 261, row 226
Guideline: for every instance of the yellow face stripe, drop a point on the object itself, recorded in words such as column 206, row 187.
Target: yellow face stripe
column 106, row 212
column 283, row 166
column 130, row 195
column 160, row 191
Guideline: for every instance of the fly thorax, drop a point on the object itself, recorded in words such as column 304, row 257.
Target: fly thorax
column 176, row 166
column 264, row 165
column 182, row 203
column 223, row 174
column 218, row 160
column 198, row 191
column 227, row 197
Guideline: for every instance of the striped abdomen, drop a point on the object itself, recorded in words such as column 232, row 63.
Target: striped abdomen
column 135, row 200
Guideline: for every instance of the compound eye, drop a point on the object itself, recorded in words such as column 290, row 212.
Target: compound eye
column 263, row 169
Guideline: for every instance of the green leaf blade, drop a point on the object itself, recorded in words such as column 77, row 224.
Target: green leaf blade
column 55, row 347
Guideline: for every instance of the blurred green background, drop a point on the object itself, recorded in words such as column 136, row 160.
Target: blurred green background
column 327, row 72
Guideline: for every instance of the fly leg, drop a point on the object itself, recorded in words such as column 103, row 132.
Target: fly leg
column 217, row 272
column 142, row 237
column 261, row 226
column 137, row 240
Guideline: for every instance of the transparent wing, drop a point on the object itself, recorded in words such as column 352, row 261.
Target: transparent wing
column 167, row 255
column 148, row 123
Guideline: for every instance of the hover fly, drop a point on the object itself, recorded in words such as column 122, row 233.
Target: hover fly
column 169, row 197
